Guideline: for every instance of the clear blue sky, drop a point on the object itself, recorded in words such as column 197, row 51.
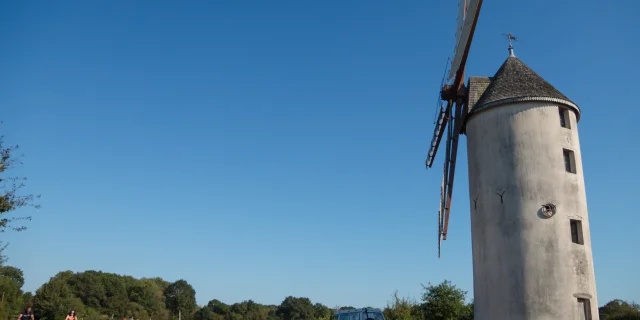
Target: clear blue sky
column 260, row 149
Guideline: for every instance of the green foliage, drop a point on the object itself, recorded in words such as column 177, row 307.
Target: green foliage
column 469, row 314
column 180, row 297
column 12, row 296
column 12, row 273
column 402, row 309
column 105, row 296
column 620, row 310
column 296, row 309
column 216, row 310
column 321, row 311
column 97, row 295
column 444, row 302
column 205, row 314
column 149, row 295
column 55, row 299
column 218, row 307
column 441, row 302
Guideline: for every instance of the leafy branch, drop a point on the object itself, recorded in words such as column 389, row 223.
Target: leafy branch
column 10, row 198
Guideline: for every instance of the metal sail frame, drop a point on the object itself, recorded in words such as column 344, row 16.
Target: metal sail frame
column 450, row 118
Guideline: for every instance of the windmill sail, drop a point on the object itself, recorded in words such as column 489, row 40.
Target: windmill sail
column 448, row 119
column 462, row 37
column 441, row 210
column 462, row 10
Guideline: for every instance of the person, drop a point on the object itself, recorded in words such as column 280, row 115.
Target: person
column 26, row 315
column 72, row 315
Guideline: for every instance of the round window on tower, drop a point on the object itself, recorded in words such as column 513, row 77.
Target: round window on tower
column 548, row 210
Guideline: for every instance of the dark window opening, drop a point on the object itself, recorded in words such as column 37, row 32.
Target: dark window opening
column 564, row 117
column 569, row 161
column 584, row 308
column 576, row 231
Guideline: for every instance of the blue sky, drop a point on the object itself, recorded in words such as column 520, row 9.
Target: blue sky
column 260, row 149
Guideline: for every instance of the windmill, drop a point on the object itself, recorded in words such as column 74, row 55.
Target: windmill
column 450, row 118
column 530, row 234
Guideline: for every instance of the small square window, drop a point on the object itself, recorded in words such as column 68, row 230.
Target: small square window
column 569, row 161
column 576, row 231
column 565, row 119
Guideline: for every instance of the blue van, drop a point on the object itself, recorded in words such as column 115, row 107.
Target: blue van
column 359, row 314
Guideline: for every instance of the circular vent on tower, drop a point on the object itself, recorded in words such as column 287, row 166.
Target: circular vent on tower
column 548, row 210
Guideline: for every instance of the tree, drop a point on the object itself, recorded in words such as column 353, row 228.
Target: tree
column 444, row 302
column 100, row 296
column 10, row 199
column 205, row 314
column 293, row 308
column 11, row 281
column 620, row 310
column 321, row 311
column 248, row 310
column 90, row 288
column 218, row 307
column 180, row 297
column 401, row 309
column 148, row 294
column 470, row 314
column 55, row 299
column 27, row 299
column 116, row 291
column 14, row 274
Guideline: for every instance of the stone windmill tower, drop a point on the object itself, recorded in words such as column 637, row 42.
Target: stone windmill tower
column 531, row 243
column 530, row 231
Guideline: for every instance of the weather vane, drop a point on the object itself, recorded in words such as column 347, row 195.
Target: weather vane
column 510, row 37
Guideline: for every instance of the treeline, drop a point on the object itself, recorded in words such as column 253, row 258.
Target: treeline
column 446, row 302
column 443, row 301
column 98, row 295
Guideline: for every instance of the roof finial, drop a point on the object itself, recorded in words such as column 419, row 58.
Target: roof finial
column 514, row 38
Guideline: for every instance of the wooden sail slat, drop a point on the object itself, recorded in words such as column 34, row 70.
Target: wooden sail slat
column 441, row 214
column 462, row 11
column 452, row 166
column 441, row 125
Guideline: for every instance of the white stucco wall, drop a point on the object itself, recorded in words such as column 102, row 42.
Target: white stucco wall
column 526, row 266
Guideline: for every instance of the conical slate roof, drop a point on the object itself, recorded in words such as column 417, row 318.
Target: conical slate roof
column 516, row 82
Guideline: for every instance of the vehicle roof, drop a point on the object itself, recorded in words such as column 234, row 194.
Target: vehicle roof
column 358, row 310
